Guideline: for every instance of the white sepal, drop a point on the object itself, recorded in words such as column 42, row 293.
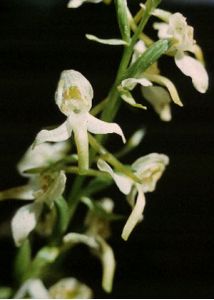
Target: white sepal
column 42, row 156
column 24, row 192
column 136, row 214
column 97, row 126
column 130, row 83
column 112, row 42
column 78, row 238
column 160, row 99
column 78, row 3
column 168, row 84
column 25, row 221
column 61, row 133
column 193, row 68
column 123, row 183
column 108, row 263
column 127, row 97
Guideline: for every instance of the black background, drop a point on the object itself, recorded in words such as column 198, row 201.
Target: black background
column 171, row 253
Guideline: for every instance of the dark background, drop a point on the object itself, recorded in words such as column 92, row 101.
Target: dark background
column 170, row 254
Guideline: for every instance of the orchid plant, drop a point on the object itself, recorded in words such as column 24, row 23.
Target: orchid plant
column 71, row 149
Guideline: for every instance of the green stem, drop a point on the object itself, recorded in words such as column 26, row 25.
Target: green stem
column 112, row 103
column 112, row 160
column 89, row 172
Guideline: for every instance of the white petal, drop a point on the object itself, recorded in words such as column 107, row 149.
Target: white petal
column 136, row 214
column 130, row 83
column 76, row 238
column 77, row 3
column 24, row 192
column 97, row 126
column 160, row 99
column 33, row 288
column 108, row 263
column 139, row 49
column 113, row 42
column 25, row 221
column 163, row 30
column 193, row 68
column 123, row 183
column 127, row 97
column 166, row 82
column 41, row 156
column 61, row 133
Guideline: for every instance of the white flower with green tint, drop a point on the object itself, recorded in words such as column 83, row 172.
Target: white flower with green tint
column 148, row 169
column 181, row 34
column 158, row 90
column 74, row 98
column 42, row 188
column 95, row 238
column 45, row 189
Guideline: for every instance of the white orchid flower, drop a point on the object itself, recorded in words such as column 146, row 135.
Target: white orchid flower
column 149, row 169
column 74, row 99
column 43, row 189
column 94, row 237
column 49, row 188
column 181, row 33
column 158, row 96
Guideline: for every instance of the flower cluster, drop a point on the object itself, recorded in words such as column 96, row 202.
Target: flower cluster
column 47, row 163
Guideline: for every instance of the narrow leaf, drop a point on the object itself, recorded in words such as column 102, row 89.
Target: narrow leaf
column 122, row 17
column 151, row 55
column 62, row 215
column 22, row 260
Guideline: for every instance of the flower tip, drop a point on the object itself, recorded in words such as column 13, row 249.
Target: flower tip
column 124, row 236
column 123, row 137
